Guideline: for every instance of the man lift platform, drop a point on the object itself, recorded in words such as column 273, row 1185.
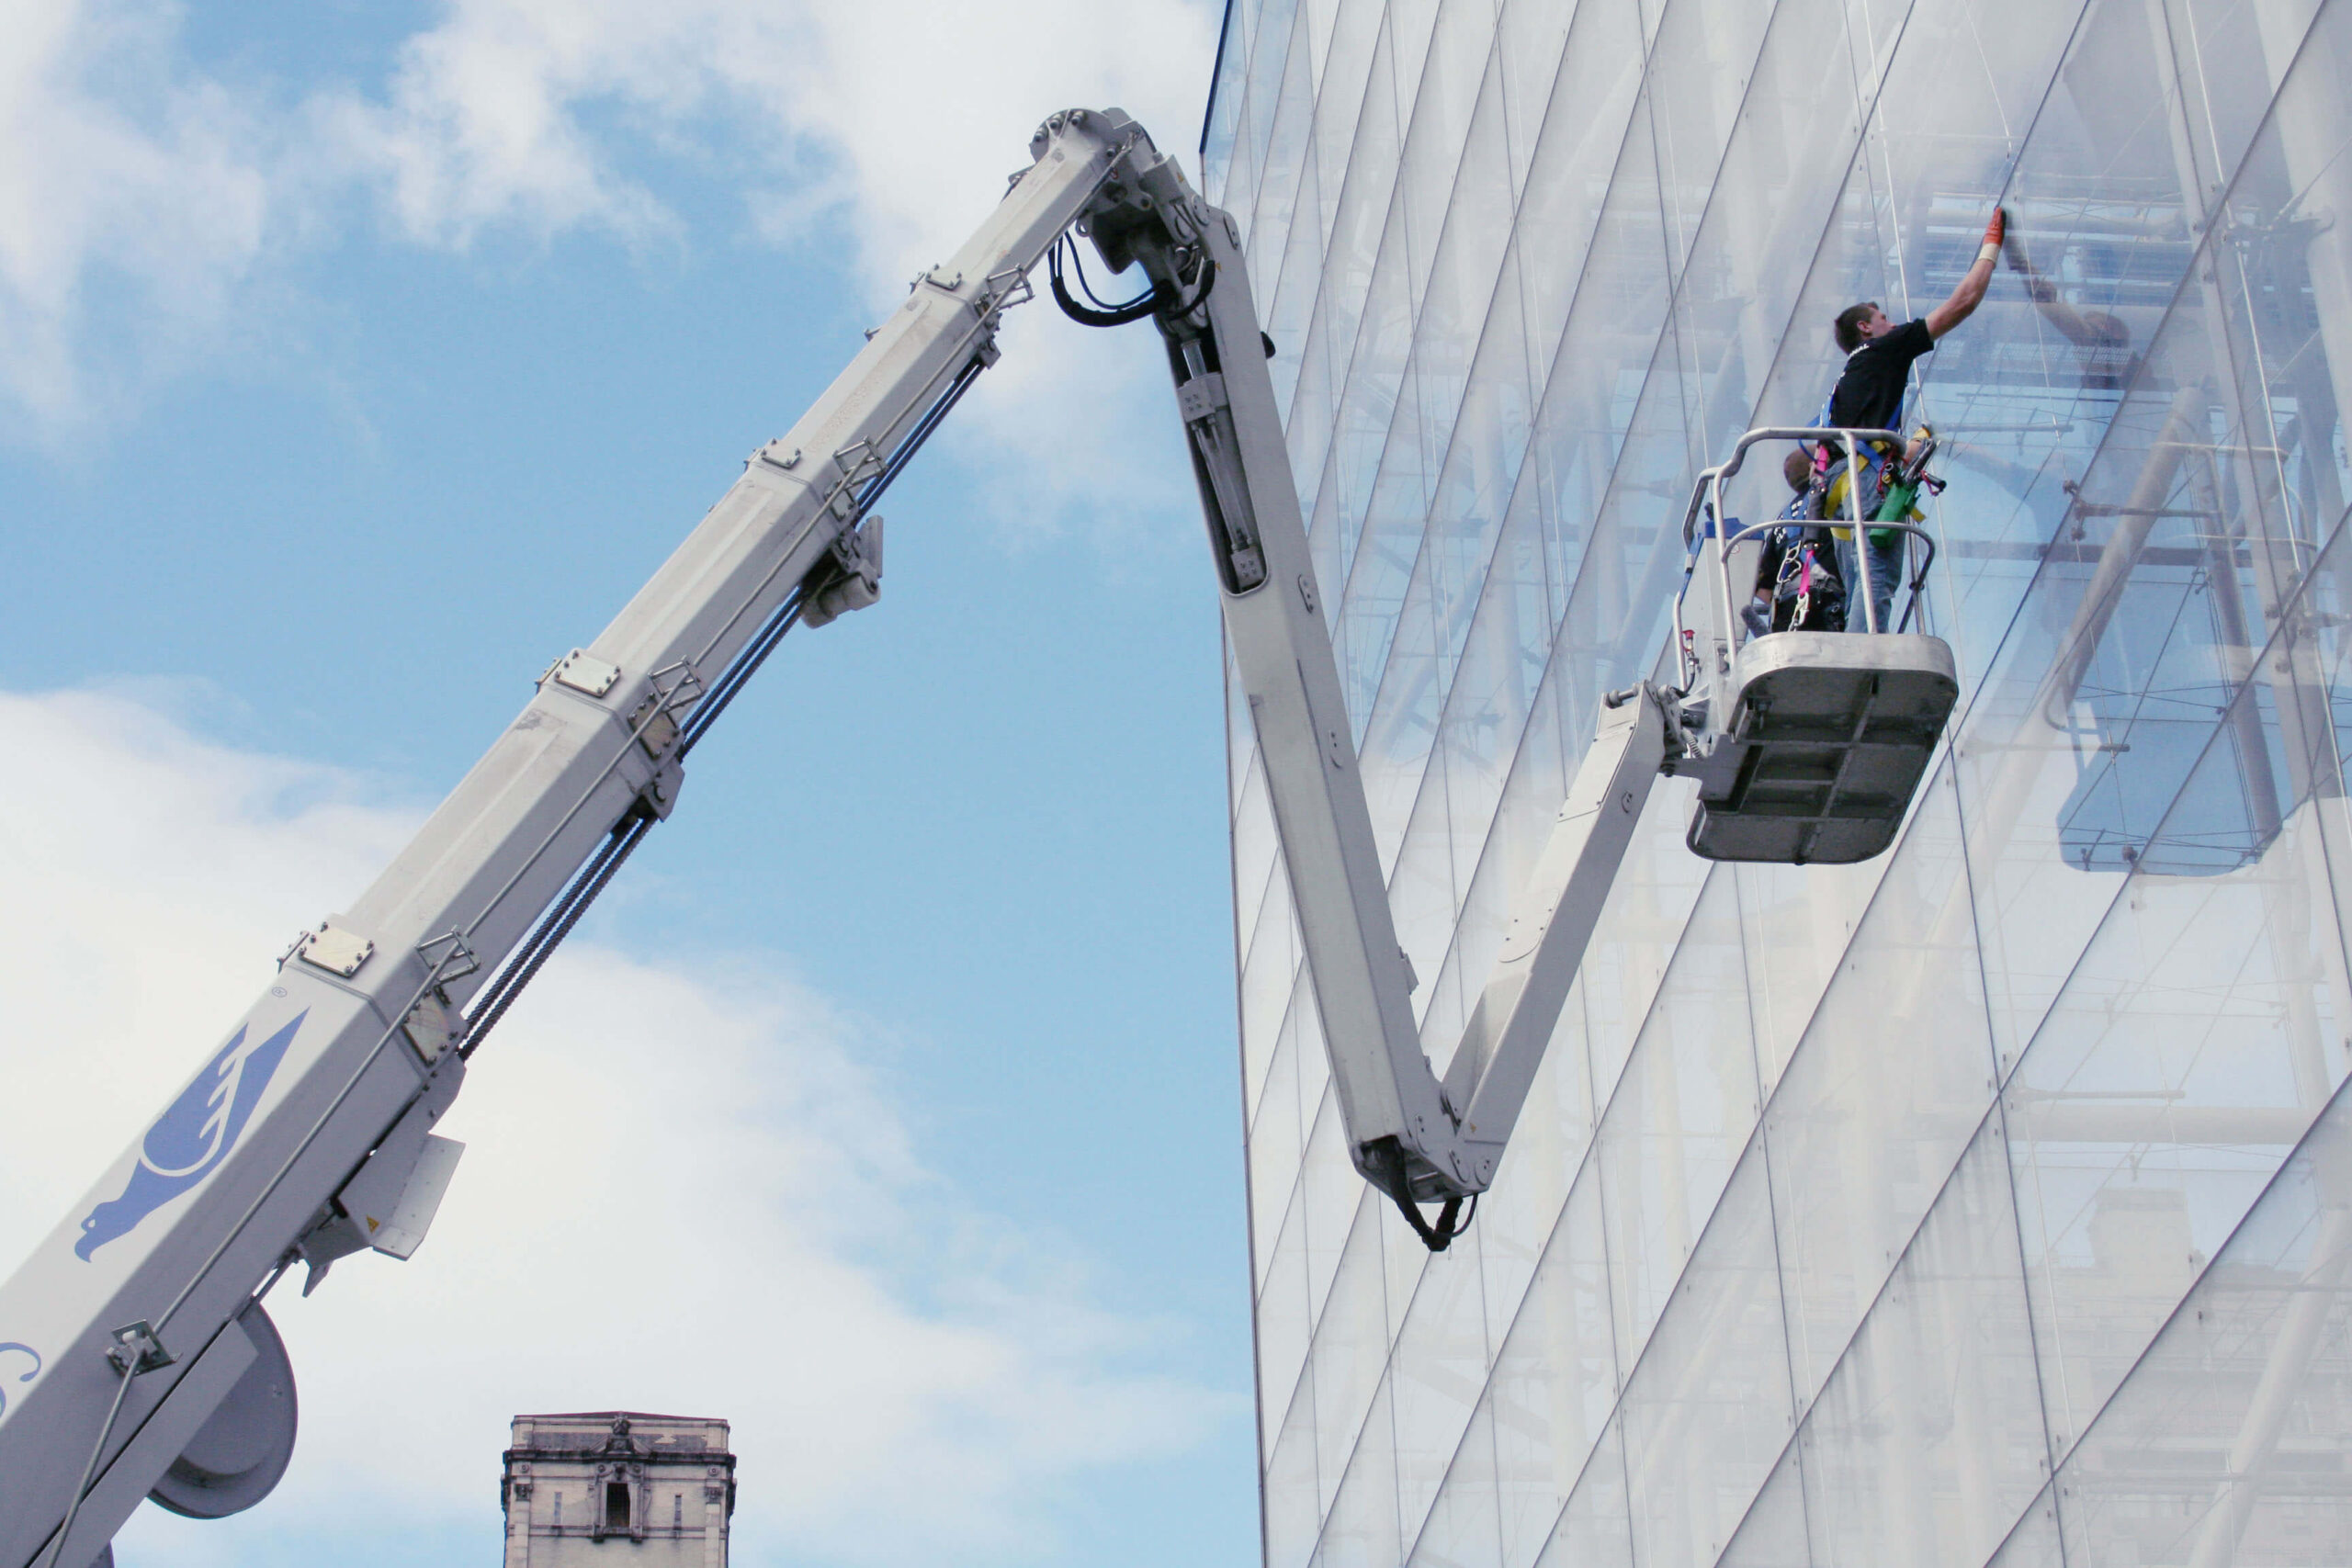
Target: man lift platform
column 141, row 1360
column 1813, row 742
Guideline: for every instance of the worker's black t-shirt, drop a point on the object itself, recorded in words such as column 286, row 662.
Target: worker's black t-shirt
column 1870, row 393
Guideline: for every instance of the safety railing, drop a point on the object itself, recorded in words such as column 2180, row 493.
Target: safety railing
column 1706, row 509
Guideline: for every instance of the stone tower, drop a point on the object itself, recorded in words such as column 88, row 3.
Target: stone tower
column 605, row 1488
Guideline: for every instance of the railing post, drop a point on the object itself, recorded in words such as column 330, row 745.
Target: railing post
column 1723, row 563
column 1861, row 535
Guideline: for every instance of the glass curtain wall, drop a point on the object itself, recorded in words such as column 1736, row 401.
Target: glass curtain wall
column 1988, row 1201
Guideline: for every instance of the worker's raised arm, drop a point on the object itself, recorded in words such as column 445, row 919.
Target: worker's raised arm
column 1971, row 292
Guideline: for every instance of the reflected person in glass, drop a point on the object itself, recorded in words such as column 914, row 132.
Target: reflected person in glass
column 1868, row 396
column 2099, row 337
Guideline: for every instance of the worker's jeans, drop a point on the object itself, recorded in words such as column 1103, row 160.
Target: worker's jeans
column 1886, row 574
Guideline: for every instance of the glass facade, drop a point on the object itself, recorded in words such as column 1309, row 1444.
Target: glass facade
column 1990, row 1201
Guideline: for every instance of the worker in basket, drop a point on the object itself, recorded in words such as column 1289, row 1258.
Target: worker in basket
column 1797, row 589
column 1868, row 396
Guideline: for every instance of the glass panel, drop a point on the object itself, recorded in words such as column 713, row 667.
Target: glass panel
column 1321, row 17
column 1277, row 1137
column 1798, row 922
column 1348, row 1363
column 2225, row 1444
column 1369, row 410
column 1773, row 1533
column 2192, row 1045
column 1884, row 1092
column 1584, row 124
column 1271, row 975
column 1594, row 1529
column 1413, row 23
column 1604, row 349
column 1275, row 33
column 1455, row 85
column 1360, row 1532
column 1224, row 109
column 1640, row 926
column 2296, row 287
column 1441, row 1363
column 1555, row 1380
column 1293, row 1501
column 1681, row 1115
column 1418, row 567
column 1463, row 1529
column 1349, row 259
column 1707, row 1411
column 1529, row 40
column 1339, row 99
column 1332, row 1195
column 1520, row 1211
column 1406, row 1262
column 1266, row 225
column 1284, row 1322
column 1254, row 848
column 1928, row 1442
column 1286, row 302
column 2034, row 1543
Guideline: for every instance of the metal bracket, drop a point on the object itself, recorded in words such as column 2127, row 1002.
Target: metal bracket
column 656, row 722
column 137, row 1348
column 768, row 454
column 335, row 950
column 583, row 672
column 660, row 794
column 430, row 1025
column 1000, row 291
column 859, row 461
column 447, row 957
column 849, row 577
column 1201, row 397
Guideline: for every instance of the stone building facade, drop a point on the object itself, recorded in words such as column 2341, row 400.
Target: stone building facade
column 617, row 1486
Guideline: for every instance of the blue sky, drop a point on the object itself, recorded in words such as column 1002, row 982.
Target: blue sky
column 358, row 360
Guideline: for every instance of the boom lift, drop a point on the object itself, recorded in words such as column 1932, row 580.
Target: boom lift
column 136, row 1358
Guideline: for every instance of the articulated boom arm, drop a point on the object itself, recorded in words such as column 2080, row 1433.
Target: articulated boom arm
column 135, row 1355
column 1416, row 1138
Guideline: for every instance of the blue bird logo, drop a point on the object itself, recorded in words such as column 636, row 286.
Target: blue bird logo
column 28, row 1377
column 193, row 1136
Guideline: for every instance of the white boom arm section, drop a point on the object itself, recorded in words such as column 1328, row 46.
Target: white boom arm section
column 135, row 1358
column 1414, row 1138
column 362, row 1038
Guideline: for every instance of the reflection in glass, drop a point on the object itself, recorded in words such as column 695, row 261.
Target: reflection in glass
column 1976, row 1204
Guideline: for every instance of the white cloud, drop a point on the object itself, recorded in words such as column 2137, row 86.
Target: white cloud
column 886, row 127
column 117, row 167
column 881, row 131
column 907, row 112
column 684, row 1190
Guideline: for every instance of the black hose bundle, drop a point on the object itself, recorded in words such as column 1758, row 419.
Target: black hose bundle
column 1154, row 300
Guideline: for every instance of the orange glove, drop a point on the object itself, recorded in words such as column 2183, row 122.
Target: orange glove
column 1994, row 230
